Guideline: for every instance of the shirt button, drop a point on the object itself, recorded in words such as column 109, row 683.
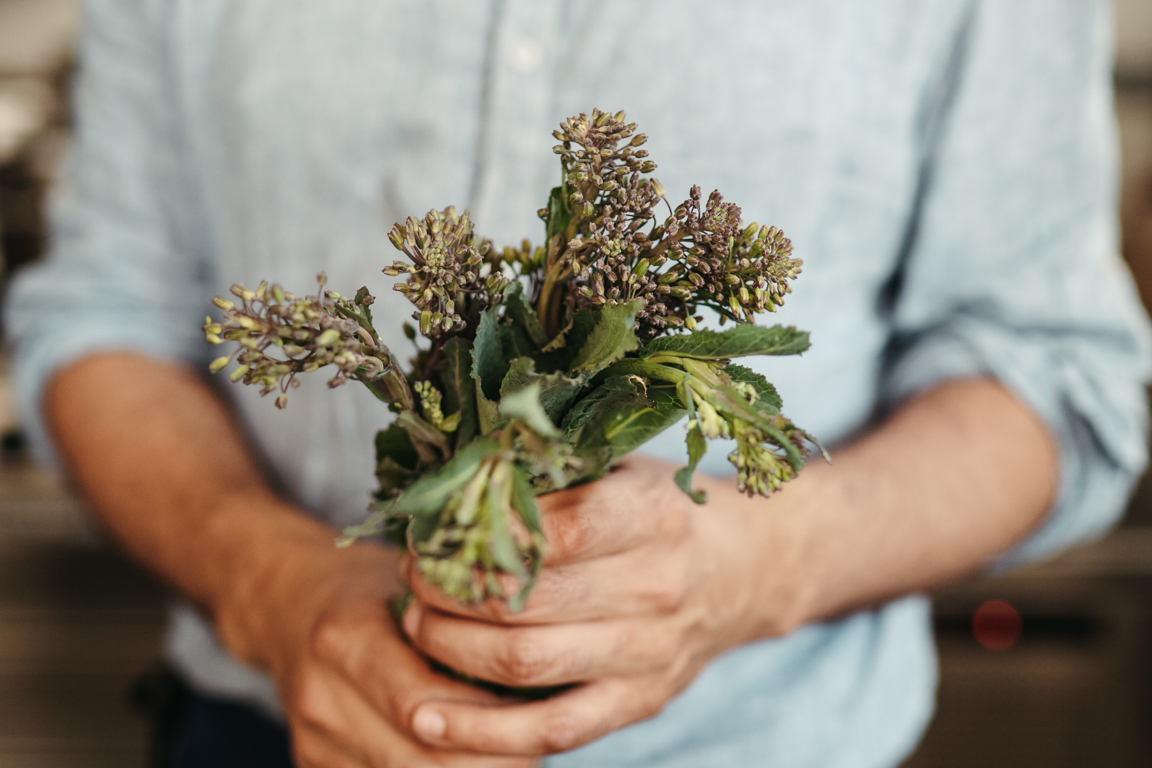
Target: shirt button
column 525, row 56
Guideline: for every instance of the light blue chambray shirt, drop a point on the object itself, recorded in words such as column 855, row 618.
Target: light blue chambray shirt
column 946, row 169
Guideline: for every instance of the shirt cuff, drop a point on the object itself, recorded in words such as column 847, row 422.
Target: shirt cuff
column 1100, row 426
column 38, row 360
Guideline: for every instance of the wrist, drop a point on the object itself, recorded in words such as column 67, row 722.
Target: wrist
column 279, row 570
column 770, row 541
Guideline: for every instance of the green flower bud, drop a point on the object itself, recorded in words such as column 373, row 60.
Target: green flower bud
column 328, row 338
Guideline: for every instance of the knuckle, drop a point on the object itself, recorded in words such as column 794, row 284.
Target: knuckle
column 312, row 704
column 560, row 734
column 403, row 704
column 329, row 636
column 572, row 533
column 557, row 587
column 658, row 698
column 668, row 593
column 523, row 660
column 498, row 611
column 307, row 752
column 662, row 650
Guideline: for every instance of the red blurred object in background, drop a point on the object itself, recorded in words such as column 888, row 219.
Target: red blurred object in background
column 996, row 625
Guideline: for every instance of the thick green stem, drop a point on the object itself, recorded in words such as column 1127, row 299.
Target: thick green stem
column 392, row 387
column 549, row 301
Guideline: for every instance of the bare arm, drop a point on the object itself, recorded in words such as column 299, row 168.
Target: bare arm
column 160, row 461
column 952, row 479
column 642, row 587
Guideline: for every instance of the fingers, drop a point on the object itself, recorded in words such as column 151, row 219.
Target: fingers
column 651, row 580
column 336, row 723
column 636, row 503
column 363, row 643
column 558, row 724
column 541, row 655
column 313, row 748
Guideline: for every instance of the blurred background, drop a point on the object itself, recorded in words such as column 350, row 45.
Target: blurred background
column 1050, row 666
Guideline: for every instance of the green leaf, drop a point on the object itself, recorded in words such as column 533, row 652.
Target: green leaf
column 489, row 364
column 383, row 520
column 697, row 446
column 630, row 428
column 559, row 353
column 427, row 496
column 459, row 388
column 622, row 413
column 584, row 426
column 594, row 453
column 394, row 443
column 515, row 342
column 610, row 339
column 396, row 460
column 617, row 390
column 487, row 412
column 732, row 404
column 739, row 341
column 525, row 406
column 501, row 545
column 364, row 309
column 819, row 445
column 558, row 215
column 769, row 401
column 517, row 307
column 430, row 443
column 524, row 502
column 393, row 477
column 557, row 391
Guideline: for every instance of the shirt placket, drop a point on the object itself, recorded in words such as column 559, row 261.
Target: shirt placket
column 518, row 136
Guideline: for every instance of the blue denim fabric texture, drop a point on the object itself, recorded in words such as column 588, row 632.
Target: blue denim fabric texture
column 945, row 168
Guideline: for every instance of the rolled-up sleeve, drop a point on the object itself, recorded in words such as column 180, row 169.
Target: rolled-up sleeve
column 1015, row 271
column 121, row 274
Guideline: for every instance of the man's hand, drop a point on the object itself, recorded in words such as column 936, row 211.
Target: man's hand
column 641, row 588
column 348, row 682
column 160, row 461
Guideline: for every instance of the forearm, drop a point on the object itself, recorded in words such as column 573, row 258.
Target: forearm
column 954, row 477
column 161, row 463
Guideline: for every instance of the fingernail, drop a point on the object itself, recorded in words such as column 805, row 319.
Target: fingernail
column 429, row 723
column 412, row 618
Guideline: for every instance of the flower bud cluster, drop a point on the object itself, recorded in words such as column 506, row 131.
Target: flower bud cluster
column 596, row 168
column 760, row 468
column 450, row 275
column 718, row 262
column 280, row 335
column 609, row 266
column 760, row 456
column 616, row 250
column 431, row 400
